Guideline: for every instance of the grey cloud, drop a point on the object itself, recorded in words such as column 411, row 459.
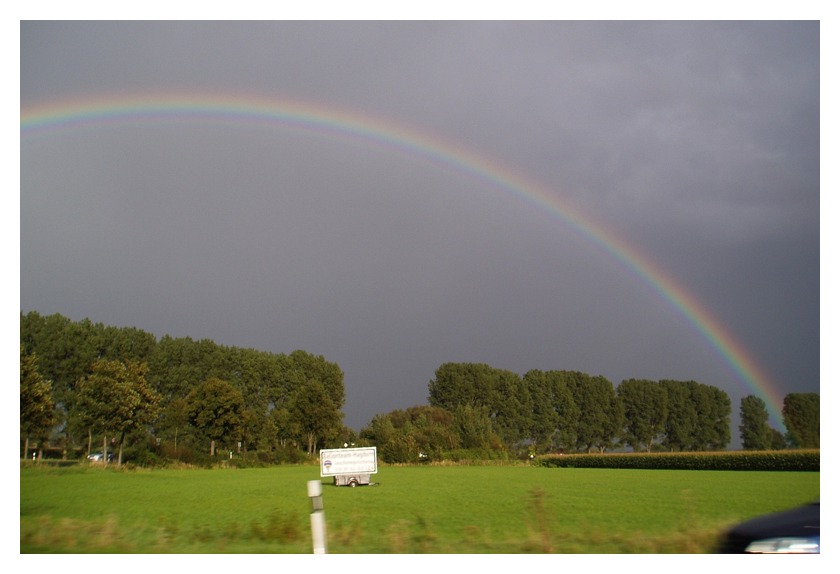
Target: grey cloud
column 696, row 142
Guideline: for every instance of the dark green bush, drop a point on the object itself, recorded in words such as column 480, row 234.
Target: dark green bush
column 785, row 460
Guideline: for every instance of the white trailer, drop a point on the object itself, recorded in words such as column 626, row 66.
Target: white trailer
column 349, row 466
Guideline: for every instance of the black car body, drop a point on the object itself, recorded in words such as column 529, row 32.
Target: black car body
column 795, row 531
column 97, row 456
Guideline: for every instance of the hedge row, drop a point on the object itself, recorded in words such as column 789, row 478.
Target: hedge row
column 790, row 460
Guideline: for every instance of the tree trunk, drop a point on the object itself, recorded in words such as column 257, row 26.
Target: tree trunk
column 119, row 456
column 105, row 449
column 212, row 447
column 26, row 448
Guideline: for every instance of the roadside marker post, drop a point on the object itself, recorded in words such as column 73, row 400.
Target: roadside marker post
column 316, row 518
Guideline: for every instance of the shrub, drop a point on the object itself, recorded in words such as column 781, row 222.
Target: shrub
column 787, row 460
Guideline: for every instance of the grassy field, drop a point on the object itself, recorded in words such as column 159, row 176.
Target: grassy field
column 426, row 509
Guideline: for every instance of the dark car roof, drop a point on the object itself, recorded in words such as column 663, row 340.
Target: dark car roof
column 800, row 521
column 797, row 522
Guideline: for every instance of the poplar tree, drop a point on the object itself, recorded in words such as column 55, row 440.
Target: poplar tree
column 601, row 416
column 314, row 414
column 115, row 399
column 801, row 415
column 645, row 405
column 37, row 415
column 755, row 431
column 215, row 408
column 682, row 415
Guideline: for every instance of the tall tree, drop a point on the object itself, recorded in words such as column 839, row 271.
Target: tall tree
column 554, row 413
column 510, row 406
column 544, row 419
column 174, row 423
column 474, row 427
column 176, row 367
column 713, row 409
column 313, row 412
column 37, row 415
column 503, row 393
column 801, row 415
column 215, row 408
column 286, row 430
column 645, row 406
column 601, row 416
column 461, row 384
column 777, row 440
column 65, row 351
column 317, row 368
column 720, row 419
column 379, row 430
column 116, row 399
column 755, row 431
column 568, row 413
column 682, row 416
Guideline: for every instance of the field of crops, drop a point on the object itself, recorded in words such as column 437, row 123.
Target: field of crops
column 419, row 509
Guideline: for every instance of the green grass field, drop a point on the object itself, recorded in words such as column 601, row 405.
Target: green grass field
column 425, row 509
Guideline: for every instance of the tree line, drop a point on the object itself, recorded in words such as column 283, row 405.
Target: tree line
column 87, row 386
column 84, row 382
column 476, row 406
column 477, row 409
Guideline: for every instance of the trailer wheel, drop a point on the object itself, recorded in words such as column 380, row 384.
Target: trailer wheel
column 352, row 483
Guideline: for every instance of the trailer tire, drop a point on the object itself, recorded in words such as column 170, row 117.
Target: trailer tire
column 352, row 483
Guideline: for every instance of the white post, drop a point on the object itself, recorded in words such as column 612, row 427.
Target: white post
column 316, row 518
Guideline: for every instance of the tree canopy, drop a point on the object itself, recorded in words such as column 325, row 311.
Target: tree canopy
column 645, row 405
column 36, row 404
column 175, row 397
column 75, row 355
column 801, row 414
column 755, row 431
column 115, row 399
column 215, row 408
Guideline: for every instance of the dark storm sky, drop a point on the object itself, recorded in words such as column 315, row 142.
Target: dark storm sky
column 696, row 143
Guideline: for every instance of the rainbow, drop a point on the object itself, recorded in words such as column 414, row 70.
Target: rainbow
column 332, row 122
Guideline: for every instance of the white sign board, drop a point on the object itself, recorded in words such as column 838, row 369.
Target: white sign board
column 348, row 461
